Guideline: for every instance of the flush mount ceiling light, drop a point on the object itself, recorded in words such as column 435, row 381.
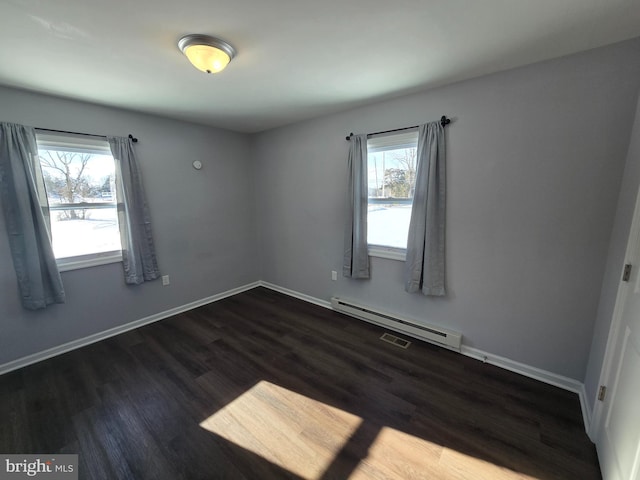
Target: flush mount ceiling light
column 207, row 54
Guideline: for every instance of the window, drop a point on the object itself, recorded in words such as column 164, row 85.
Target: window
column 79, row 176
column 392, row 161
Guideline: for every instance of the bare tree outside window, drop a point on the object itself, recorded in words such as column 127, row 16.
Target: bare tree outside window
column 404, row 176
column 398, row 178
column 80, row 188
column 67, row 181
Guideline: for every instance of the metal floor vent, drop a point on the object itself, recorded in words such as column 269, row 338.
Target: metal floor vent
column 397, row 341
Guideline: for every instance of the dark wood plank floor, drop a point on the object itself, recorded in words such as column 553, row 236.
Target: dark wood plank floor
column 261, row 385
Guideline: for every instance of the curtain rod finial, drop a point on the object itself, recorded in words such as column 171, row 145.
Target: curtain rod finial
column 348, row 138
column 444, row 120
column 133, row 139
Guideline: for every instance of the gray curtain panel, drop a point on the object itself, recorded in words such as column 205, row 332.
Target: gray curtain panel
column 356, row 255
column 425, row 265
column 26, row 213
column 138, row 252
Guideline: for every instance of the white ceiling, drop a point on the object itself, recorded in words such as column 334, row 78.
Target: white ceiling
column 296, row 59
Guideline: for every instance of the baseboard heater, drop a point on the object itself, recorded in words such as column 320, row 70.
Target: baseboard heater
column 437, row 335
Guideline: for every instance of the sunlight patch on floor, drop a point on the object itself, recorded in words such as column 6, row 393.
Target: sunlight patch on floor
column 290, row 430
column 304, row 436
column 398, row 455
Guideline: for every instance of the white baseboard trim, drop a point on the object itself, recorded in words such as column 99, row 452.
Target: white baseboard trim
column 587, row 413
column 544, row 376
column 554, row 379
column 293, row 293
column 96, row 337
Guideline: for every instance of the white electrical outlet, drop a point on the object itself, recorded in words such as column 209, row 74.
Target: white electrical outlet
column 334, row 275
column 165, row 280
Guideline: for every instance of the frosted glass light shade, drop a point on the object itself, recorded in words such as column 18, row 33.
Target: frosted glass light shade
column 207, row 59
column 207, row 54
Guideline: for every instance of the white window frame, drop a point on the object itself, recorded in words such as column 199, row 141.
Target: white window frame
column 392, row 141
column 84, row 144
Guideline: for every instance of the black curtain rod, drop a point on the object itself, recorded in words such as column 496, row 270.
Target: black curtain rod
column 444, row 121
column 133, row 139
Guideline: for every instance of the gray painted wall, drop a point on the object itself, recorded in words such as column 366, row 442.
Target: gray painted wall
column 203, row 225
column 615, row 261
column 535, row 161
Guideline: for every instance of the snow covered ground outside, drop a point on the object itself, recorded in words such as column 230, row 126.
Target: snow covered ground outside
column 388, row 225
column 98, row 233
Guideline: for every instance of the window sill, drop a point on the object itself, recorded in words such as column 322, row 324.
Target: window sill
column 388, row 252
column 86, row 261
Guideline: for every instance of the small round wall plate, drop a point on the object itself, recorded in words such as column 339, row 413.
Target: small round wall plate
column 197, row 165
